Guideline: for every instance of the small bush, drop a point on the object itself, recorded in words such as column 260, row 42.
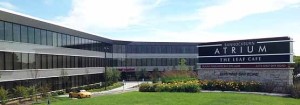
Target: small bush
column 146, row 87
column 230, row 85
column 189, row 86
column 60, row 92
column 294, row 91
column 3, row 95
column 54, row 94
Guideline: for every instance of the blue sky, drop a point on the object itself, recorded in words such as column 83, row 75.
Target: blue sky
column 170, row 20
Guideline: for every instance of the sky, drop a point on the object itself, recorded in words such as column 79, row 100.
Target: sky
column 170, row 20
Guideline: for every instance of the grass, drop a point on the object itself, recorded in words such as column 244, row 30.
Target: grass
column 139, row 98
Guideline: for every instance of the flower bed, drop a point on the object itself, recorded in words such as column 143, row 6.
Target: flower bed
column 230, row 85
column 189, row 86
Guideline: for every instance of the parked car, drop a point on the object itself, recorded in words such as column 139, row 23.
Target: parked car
column 80, row 94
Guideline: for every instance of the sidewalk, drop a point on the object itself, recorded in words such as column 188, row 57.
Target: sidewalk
column 127, row 87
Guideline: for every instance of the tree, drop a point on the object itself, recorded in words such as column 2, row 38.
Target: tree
column 3, row 95
column 112, row 75
column 86, row 76
column 297, row 65
column 155, row 75
column 64, row 77
column 21, row 92
column 182, row 64
column 141, row 74
column 32, row 91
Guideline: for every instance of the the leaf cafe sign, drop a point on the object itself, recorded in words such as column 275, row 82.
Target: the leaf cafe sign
column 254, row 53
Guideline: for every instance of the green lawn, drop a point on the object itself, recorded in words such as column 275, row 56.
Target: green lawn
column 138, row 98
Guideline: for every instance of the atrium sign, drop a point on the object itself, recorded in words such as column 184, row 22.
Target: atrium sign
column 266, row 60
column 266, row 50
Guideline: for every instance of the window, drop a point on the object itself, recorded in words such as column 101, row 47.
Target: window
column 1, row 30
column 68, row 62
column 83, row 62
column 72, row 61
column 31, row 61
column 64, row 61
column 25, row 61
column 37, row 33
column 54, row 60
column 76, row 41
column 144, row 62
column 64, row 40
column 72, row 41
column 68, row 40
column 59, row 40
column 153, row 62
column 17, row 32
column 44, row 37
column 17, row 61
column 59, row 61
column 38, row 59
column 1, row 60
column 8, row 61
column 148, row 61
column 76, row 62
column 44, row 62
column 49, row 38
column 24, row 34
column 8, row 31
column 158, row 62
column 49, row 58
column 80, row 62
column 31, row 35
column 54, row 39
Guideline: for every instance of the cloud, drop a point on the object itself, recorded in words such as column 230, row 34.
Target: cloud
column 234, row 10
column 8, row 5
column 97, row 15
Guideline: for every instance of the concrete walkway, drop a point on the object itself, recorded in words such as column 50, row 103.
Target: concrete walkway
column 127, row 87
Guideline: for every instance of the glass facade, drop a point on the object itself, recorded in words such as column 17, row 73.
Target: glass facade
column 18, row 60
column 26, row 34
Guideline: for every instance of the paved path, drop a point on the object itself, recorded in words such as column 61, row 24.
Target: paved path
column 128, row 87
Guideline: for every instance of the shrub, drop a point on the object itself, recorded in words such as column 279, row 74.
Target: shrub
column 32, row 92
column 54, row 94
column 3, row 95
column 189, row 86
column 112, row 75
column 146, row 87
column 155, row 75
column 230, row 85
column 294, row 91
column 60, row 92
column 44, row 89
column 21, row 92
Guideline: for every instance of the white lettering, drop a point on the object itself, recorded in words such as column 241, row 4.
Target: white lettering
column 262, row 49
column 250, row 51
column 233, row 50
column 217, row 51
column 225, row 49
